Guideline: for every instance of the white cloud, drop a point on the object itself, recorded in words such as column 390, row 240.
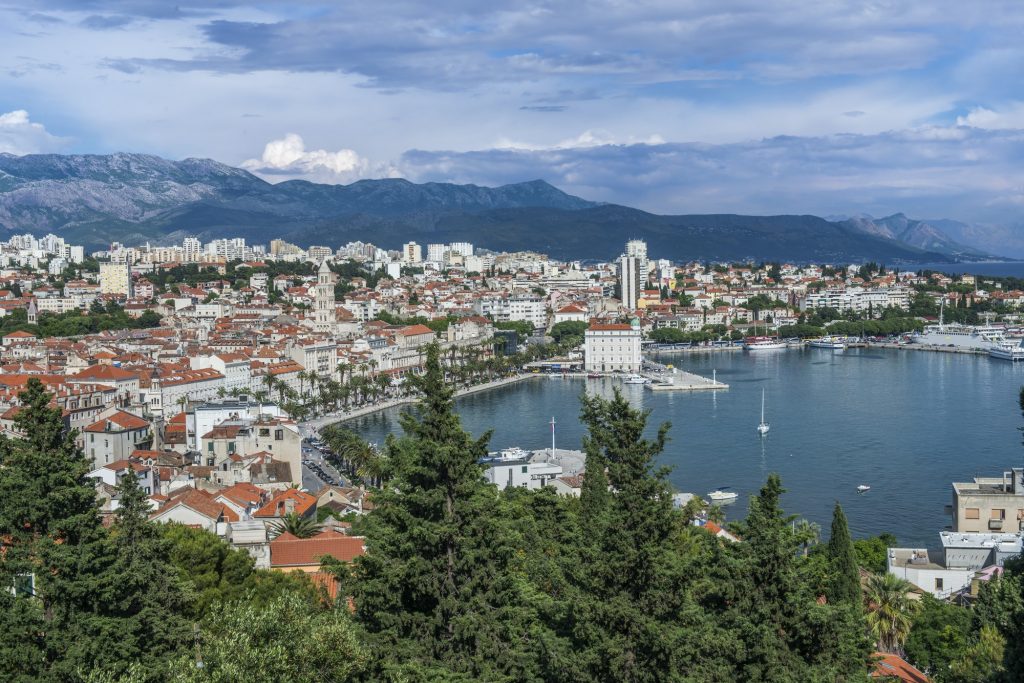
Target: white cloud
column 20, row 135
column 289, row 157
column 1010, row 116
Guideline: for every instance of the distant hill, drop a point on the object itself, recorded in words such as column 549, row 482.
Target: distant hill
column 928, row 235
column 96, row 199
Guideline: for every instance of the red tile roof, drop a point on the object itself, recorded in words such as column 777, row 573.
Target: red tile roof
column 277, row 505
column 894, row 666
column 119, row 422
column 288, row 551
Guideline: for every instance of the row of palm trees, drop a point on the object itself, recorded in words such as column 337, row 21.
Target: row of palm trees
column 360, row 384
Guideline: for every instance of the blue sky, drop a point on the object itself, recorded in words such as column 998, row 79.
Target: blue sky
column 684, row 106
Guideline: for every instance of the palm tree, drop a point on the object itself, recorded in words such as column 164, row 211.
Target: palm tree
column 890, row 610
column 296, row 525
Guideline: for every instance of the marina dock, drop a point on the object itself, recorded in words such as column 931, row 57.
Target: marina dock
column 682, row 381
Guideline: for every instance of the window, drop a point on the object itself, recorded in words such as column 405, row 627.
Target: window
column 264, row 431
column 972, row 513
column 938, row 584
column 998, row 513
column 209, row 447
column 231, row 446
column 525, row 468
column 278, row 435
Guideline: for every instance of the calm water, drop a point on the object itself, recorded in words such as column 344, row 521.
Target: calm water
column 907, row 423
column 994, row 268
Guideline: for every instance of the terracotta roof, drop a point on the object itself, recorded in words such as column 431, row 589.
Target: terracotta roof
column 104, row 373
column 276, row 507
column 298, row 552
column 200, row 502
column 414, row 330
column 122, row 420
column 894, row 666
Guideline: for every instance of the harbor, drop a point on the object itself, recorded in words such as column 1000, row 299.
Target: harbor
column 865, row 416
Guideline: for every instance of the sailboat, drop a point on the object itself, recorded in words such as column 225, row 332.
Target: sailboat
column 763, row 427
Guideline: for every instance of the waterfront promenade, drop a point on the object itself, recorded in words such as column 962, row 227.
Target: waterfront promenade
column 310, row 426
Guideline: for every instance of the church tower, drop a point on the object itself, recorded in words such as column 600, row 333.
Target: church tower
column 323, row 299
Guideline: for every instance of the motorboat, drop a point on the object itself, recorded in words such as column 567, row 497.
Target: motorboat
column 828, row 342
column 720, row 496
column 863, row 488
column 636, row 379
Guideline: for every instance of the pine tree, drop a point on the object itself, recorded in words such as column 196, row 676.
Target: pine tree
column 96, row 602
column 844, row 583
column 436, row 590
column 53, row 542
column 142, row 590
column 632, row 619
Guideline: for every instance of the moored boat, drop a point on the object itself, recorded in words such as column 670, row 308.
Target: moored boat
column 1007, row 351
column 720, row 496
column 828, row 342
column 763, row 343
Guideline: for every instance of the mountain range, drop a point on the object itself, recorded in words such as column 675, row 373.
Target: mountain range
column 134, row 198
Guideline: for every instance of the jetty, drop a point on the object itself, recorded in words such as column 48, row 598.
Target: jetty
column 681, row 380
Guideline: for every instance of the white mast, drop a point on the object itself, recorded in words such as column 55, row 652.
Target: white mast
column 552, row 435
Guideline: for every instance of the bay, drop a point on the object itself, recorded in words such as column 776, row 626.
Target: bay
column 906, row 423
column 992, row 268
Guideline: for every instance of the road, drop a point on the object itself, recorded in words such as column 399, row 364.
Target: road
column 311, row 481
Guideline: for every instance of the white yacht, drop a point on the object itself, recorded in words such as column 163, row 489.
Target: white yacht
column 828, row 342
column 763, row 343
column 863, row 488
column 720, row 496
column 636, row 379
column 1007, row 351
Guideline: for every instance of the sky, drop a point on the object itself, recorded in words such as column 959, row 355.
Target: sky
column 830, row 107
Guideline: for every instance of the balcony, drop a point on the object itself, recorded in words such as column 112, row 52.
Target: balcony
column 995, row 524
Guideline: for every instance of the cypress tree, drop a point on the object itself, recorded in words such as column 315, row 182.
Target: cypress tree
column 436, row 589
column 844, row 583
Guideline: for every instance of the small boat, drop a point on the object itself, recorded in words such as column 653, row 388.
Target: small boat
column 828, row 342
column 862, row 488
column 593, row 375
column 720, row 496
column 762, row 427
column 636, row 379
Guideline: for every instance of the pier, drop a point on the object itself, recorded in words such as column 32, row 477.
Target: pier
column 668, row 378
column 683, row 381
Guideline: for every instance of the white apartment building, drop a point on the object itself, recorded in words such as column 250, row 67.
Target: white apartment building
column 412, row 253
column 857, row 299
column 610, row 347
column 116, row 278
column 631, row 280
column 463, row 248
column 531, row 309
column 435, row 252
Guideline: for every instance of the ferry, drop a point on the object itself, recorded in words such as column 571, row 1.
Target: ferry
column 979, row 337
column 828, row 342
column 763, row 343
column 1007, row 351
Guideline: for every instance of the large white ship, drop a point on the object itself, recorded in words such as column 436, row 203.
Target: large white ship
column 983, row 337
